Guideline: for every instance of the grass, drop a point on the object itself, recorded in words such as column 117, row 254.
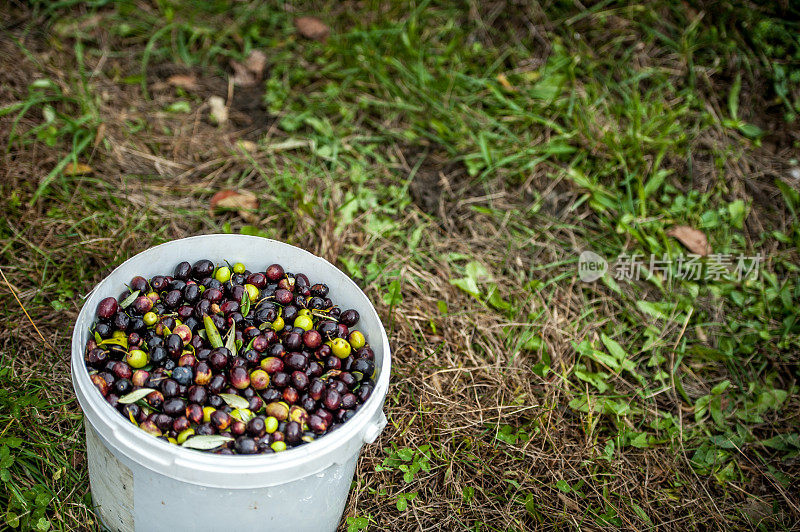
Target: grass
column 454, row 159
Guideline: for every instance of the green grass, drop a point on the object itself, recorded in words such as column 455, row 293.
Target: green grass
column 455, row 162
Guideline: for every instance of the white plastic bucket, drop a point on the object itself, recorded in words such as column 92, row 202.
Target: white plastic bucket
column 142, row 483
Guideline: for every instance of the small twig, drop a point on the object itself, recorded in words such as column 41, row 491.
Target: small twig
column 13, row 293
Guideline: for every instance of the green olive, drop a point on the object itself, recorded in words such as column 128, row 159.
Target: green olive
column 278, row 324
column 223, row 274
column 150, row 318
column 357, row 340
column 252, row 292
column 136, row 358
column 278, row 446
column 304, row 322
column 184, row 435
column 239, row 268
column 340, row 347
column 271, row 424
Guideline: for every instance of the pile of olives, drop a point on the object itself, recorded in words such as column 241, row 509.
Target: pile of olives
column 222, row 359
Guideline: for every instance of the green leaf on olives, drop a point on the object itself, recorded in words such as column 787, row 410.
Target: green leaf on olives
column 234, row 401
column 130, row 299
column 135, row 395
column 205, row 443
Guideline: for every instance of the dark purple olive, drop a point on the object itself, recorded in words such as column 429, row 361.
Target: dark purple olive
column 274, row 272
column 314, row 369
column 325, row 415
column 319, row 290
column 293, row 341
column 252, row 357
column 280, row 379
column 257, row 279
column 180, row 424
column 195, row 413
column 229, row 307
column 332, row 399
column 339, row 386
column 255, row 403
column 270, row 395
column 327, row 329
column 293, row 432
column 260, row 343
column 123, row 386
column 333, row 362
column 139, row 283
column 349, row 317
column 237, row 427
column 290, row 313
column 169, row 387
column 317, row 424
column 348, row 379
column 366, row 352
column 130, row 410
column 206, row 429
column 296, row 361
column 213, row 295
column 277, row 350
column 220, row 419
column 363, row 368
column 121, row 321
column 245, row 445
column 299, row 380
column 216, row 401
column 159, row 283
column 282, row 296
column 239, row 377
column 202, row 308
column 172, row 299
column 197, row 394
column 316, row 303
column 174, row 345
column 107, row 308
column 316, row 389
column 183, row 375
column 218, row 359
column 256, row 427
column 217, row 384
column 363, row 393
column 290, row 395
column 191, row 293
column 312, row 339
column 97, row 357
column 349, row 400
column 155, row 399
column 182, row 271
column 158, row 355
column 104, row 330
column 174, row 406
column 202, row 269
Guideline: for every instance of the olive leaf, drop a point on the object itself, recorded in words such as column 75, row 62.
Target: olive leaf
column 242, row 414
column 250, row 344
column 205, row 443
column 135, row 395
column 234, row 401
column 130, row 299
column 123, row 342
column 245, row 303
column 230, row 341
column 97, row 337
column 212, row 332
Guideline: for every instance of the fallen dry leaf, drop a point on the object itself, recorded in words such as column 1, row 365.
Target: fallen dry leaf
column 243, row 201
column 219, row 113
column 251, row 71
column 694, row 239
column 256, row 62
column 183, row 81
column 312, row 28
column 78, row 169
column 503, row 80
